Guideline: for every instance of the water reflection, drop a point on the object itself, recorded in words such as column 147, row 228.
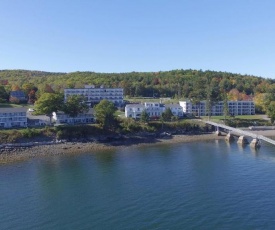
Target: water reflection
column 105, row 157
column 195, row 185
column 255, row 151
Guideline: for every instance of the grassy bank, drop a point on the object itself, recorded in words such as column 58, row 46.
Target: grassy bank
column 124, row 126
column 240, row 121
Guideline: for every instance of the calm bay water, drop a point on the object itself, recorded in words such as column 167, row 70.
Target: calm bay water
column 206, row 185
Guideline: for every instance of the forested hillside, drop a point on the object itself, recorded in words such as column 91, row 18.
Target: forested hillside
column 196, row 85
column 175, row 83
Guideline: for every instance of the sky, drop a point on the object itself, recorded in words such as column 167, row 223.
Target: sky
column 109, row 36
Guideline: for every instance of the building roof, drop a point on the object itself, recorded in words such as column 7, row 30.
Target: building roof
column 91, row 88
column 91, row 111
column 134, row 105
column 17, row 94
column 173, row 105
column 13, row 110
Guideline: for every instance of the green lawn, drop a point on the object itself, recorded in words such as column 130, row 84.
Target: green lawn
column 119, row 113
column 7, row 105
column 241, row 120
column 246, row 117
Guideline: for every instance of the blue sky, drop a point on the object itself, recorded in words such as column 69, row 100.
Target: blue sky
column 138, row 35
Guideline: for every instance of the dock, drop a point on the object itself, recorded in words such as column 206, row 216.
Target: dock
column 241, row 132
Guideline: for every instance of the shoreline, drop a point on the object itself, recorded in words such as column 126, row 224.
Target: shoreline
column 70, row 148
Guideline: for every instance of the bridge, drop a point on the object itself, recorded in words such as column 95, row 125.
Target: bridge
column 241, row 132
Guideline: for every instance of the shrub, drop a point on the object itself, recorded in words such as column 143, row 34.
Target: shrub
column 30, row 132
column 13, row 136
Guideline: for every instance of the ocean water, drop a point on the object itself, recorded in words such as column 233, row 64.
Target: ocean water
column 205, row 185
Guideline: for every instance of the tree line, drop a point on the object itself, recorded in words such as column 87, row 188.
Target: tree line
column 179, row 84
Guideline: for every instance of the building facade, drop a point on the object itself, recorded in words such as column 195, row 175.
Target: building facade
column 234, row 108
column 134, row 110
column 83, row 118
column 95, row 95
column 176, row 109
column 13, row 117
column 17, row 96
column 154, row 109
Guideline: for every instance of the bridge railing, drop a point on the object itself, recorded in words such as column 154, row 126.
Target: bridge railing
column 242, row 132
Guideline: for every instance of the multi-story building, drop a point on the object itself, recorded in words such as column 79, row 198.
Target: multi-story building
column 13, row 117
column 95, row 95
column 176, row 109
column 234, row 108
column 134, row 110
column 154, row 109
column 82, row 118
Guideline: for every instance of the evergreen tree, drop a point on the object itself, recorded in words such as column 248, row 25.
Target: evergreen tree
column 144, row 116
column 167, row 114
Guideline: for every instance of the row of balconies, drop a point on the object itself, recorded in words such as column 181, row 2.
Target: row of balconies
column 93, row 91
column 12, row 114
column 11, row 124
column 14, row 119
column 90, row 98
column 79, row 116
column 105, row 94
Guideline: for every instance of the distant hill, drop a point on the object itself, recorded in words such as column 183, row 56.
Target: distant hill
column 175, row 83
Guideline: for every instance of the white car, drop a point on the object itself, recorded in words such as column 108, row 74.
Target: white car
column 31, row 110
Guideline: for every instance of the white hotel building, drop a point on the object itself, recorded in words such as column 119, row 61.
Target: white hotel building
column 13, row 117
column 95, row 95
column 234, row 108
column 82, row 118
column 154, row 109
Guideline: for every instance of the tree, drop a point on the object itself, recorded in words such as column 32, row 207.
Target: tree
column 48, row 89
column 269, row 97
column 75, row 105
column 144, row 116
column 225, row 106
column 49, row 103
column 27, row 87
column 199, row 92
column 259, row 100
column 32, row 97
column 3, row 94
column 167, row 114
column 271, row 111
column 212, row 95
column 15, row 88
column 104, row 112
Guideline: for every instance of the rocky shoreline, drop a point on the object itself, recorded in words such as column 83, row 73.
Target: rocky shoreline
column 23, row 151
column 26, row 150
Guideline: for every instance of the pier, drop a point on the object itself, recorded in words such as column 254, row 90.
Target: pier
column 242, row 133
